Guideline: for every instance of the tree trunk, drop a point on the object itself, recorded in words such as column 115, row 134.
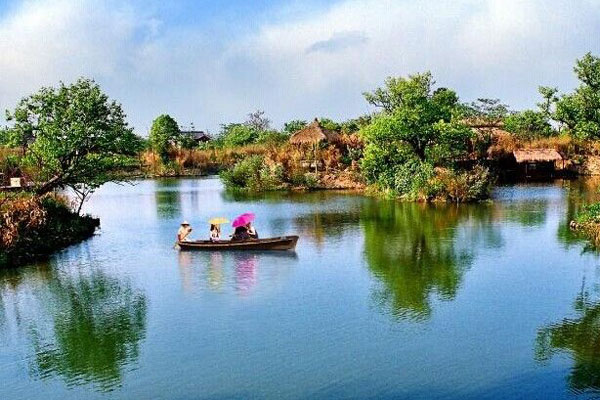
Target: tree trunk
column 49, row 186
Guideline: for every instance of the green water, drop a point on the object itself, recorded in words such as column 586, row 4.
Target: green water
column 380, row 300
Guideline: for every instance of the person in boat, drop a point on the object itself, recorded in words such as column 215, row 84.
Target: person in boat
column 240, row 233
column 183, row 234
column 251, row 231
column 215, row 232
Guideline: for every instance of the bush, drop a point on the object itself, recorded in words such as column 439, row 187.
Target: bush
column 467, row 185
column 252, row 174
column 32, row 226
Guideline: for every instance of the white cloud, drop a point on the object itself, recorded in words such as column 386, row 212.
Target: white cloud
column 298, row 67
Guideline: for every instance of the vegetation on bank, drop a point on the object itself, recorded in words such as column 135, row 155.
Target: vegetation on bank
column 35, row 226
column 421, row 143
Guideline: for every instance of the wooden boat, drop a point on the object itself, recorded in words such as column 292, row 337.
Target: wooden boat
column 278, row 243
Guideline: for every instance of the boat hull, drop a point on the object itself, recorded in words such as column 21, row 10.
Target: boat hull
column 278, row 243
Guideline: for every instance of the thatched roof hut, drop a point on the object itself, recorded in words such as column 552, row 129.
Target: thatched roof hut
column 314, row 133
column 537, row 155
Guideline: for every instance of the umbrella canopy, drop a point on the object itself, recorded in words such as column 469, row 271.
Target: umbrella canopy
column 243, row 219
column 218, row 221
column 314, row 133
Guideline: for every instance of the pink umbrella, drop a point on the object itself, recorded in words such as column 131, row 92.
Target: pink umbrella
column 243, row 219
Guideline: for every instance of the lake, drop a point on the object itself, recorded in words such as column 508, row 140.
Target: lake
column 381, row 299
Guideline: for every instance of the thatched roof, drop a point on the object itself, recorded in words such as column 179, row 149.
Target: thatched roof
column 314, row 133
column 478, row 122
column 537, row 155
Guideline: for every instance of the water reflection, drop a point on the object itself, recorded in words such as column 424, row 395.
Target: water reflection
column 237, row 271
column 245, row 272
column 580, row 337
column 410, row 248
column 580, row 192
column 167, row 195
column 81, row 325
column 323, row 226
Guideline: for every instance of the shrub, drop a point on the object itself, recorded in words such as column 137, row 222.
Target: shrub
column 252, row 174
column 32, row 226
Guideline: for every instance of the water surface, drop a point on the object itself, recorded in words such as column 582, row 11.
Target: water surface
column 380, row 300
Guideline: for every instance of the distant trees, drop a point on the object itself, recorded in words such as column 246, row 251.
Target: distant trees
column 71, row 136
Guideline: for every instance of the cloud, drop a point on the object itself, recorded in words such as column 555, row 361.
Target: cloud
column 338, row 42
column 298, row 66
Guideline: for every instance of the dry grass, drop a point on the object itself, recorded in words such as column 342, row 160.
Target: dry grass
column 567, row 146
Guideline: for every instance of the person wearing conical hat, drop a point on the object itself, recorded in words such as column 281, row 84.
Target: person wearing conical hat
column 183, row 234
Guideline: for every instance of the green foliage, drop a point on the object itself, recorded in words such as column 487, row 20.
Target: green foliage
column 528, row 124
column 252, row 174
column 589, row 214
column 413, row 114
column 71, row 135
column 488, row 109
column 272, row 137
column 163, row 134
column 417, row 131
column 236, row 134
column 294, row 126
column 330, row 124
column 580, row 110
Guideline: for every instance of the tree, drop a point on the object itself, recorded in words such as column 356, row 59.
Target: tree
column 580, row 110
column 293, row 126
column 487, row 109
column 163, row 134
column 258, row 121
column 238, row 134
column 528, row 124
column 414, row 114
column 417, row 130
column 72, row 135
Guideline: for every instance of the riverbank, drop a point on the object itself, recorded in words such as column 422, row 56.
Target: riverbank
column 34, row 227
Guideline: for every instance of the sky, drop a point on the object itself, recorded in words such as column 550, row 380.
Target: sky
column 213, row 62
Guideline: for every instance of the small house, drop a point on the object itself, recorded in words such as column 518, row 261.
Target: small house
column 538, row 163
column 197, row 136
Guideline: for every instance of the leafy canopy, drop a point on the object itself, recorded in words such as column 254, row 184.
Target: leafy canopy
column 580, row 110
column 417, row 116
column 71, row 135
column 163, row 133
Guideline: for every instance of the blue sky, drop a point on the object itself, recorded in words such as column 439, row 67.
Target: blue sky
column 212, row 62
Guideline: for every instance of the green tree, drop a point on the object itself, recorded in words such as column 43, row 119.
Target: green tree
column 163, row 134
column 487, row 109
column 528, row 124
column 72, row 135
column 294, row 126
column 238, row 135
column 414, row 114
column 580, row 110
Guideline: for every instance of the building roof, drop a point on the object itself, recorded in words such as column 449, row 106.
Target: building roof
column 197, row 135
column 537, row 155
column 314, row 133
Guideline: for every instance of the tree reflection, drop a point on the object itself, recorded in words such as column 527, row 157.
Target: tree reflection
column 580, row 193
column 320, row 226
column 168, row 198
column 580, row 336
column 84, row 327
column 411, row 249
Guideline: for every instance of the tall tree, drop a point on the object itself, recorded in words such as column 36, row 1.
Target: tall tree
column 580, row 110
column 72, row 135
column 163, row 133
